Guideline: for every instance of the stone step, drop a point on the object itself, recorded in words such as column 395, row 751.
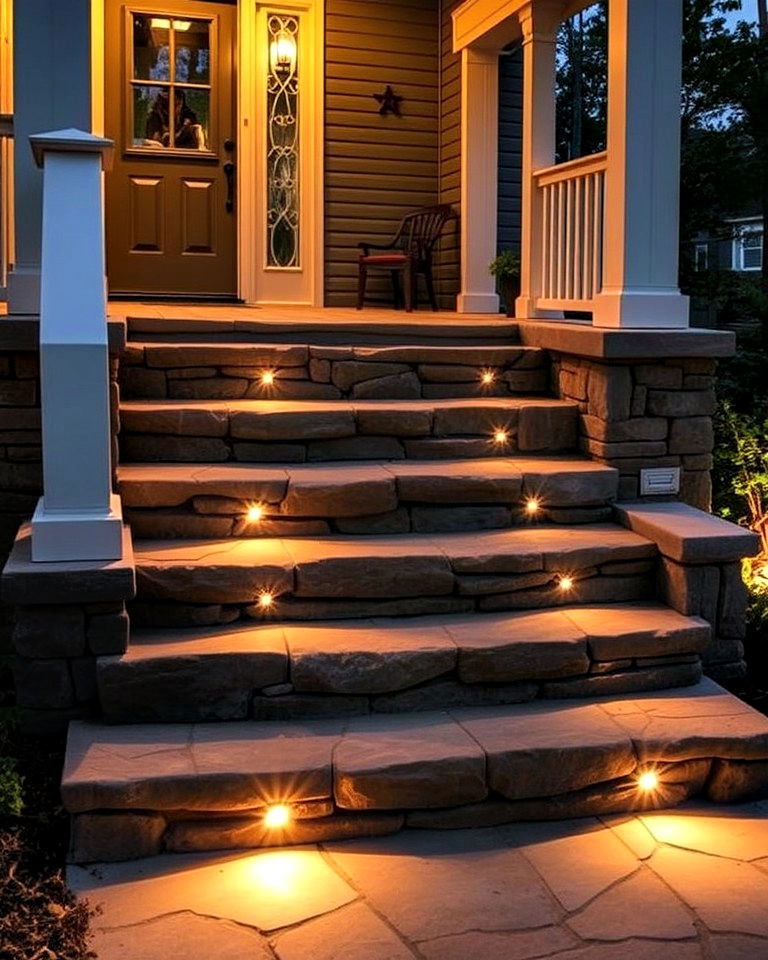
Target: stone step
column 280, row 371
column 327, row 669
column 209, row 500
column 329, row 327
column 344, row 577
column 295, row 431
column 136, row 790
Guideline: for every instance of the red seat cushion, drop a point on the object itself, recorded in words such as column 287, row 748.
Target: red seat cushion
column 384, row 259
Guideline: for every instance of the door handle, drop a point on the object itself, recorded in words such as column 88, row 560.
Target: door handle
column 229, row 173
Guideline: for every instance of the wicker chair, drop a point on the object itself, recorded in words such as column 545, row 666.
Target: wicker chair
column 408, row 254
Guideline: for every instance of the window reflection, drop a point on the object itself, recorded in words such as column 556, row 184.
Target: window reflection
column 168, row 53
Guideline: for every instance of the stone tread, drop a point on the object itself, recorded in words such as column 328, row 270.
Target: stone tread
column 243, row 418
column 419, row 761
column 557, row 482
column 237, row 570
column 385, row 655
column 175, row 355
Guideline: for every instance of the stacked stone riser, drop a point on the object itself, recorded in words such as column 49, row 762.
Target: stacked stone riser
column 268, row 432
column 305, row 372
column 373, row 775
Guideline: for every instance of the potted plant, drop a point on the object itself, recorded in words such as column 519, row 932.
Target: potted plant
column 506, row 269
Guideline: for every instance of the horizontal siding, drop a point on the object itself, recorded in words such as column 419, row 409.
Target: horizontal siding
column 377, row 168
column 450, row 155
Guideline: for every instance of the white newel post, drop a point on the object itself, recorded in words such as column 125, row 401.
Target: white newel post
column 78, row 516
column 479, row 178
column 640, row 260
column 539, row 22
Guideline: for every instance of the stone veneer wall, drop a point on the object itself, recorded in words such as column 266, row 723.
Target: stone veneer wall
column 636, row 415
column 20, row 452
column 55, row 644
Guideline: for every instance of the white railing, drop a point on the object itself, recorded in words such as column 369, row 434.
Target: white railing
column 570, row 200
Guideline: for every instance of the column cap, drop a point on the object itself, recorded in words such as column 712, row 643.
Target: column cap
column 71, row 140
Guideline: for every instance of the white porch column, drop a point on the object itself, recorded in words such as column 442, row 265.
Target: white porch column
column 640, row 257
column 479, row 177
column 78, row 516
column 52, row 89
column 539, row 22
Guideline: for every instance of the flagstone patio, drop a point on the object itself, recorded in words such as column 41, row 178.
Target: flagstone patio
column 688, row 885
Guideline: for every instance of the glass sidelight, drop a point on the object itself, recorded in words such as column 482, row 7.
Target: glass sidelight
column 282, row 240
column 170, row 83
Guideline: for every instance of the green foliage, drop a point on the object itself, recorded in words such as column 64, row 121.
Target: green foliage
column 506, row 266
column 11, row 800
column 582, row 83
column 737, row 296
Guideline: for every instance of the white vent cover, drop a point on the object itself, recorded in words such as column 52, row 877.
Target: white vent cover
column 659, row 480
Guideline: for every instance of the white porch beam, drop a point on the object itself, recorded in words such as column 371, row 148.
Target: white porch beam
column 78, row 516
column 479, row 179
column 640, row 258
column 539, row 21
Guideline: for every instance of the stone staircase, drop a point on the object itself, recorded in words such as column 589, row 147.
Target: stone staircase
column 378, row 555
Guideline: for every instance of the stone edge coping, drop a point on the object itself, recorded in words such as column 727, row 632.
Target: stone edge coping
column 686, row 534
column 25, row 582
column 585, row 340
column 23, row 333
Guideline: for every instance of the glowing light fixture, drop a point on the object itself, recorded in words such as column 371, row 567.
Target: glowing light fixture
column 255, row 513
column 532, row 506
column 277, row 816
column 487, row 377
column 500, row 437
column 267, row 378
column 266, row 600
column 648, row 781
column 282, row 52
column 565, row 583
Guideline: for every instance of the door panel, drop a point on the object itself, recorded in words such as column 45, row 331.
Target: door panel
column 170, row 110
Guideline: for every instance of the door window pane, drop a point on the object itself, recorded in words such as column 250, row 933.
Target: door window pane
column 174, row 112
column 283, row 142
column 151, row 127
column 193, row 55
column 151, row 48
column 193, row 115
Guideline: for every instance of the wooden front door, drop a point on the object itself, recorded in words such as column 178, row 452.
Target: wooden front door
column 171, row 224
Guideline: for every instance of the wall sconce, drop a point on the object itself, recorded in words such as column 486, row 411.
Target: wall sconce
column 282, row 53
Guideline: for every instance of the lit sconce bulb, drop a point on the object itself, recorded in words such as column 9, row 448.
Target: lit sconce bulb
column 648, row 781
column 532, row 506
column 267, row 378
column 266, row 600
column 500, row 436
column 487, row 377
column 277, row 816
column 565, row 583
column 255, row 513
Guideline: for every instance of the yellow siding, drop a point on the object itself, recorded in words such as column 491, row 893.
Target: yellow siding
column 377, row 168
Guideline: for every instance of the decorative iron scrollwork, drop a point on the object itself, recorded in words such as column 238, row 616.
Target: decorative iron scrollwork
column 283, row 141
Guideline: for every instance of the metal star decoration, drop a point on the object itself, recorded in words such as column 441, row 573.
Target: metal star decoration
column 389, row 102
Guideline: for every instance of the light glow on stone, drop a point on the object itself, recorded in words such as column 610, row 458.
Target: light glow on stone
column 255, row 513
column 500, row 437
column 648, row 781
column 565, row 583
column 267, row 378
column 277, row 816
column 266, row 600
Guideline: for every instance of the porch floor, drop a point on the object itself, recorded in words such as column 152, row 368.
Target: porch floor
column 690, row 884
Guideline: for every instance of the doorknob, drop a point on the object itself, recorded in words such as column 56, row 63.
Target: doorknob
column 229, row 173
